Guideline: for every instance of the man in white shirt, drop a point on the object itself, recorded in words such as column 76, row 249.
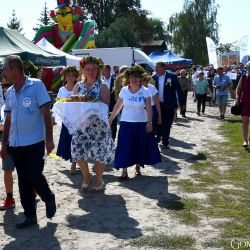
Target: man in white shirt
column 168, row 86
column 108, row 79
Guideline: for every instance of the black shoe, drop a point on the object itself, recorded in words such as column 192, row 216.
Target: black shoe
column 165, row 145
column 26, row 222
column 51, row 206
column 123, row 177
column 198, row 113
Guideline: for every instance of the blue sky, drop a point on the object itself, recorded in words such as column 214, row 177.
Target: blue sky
column 232, row 15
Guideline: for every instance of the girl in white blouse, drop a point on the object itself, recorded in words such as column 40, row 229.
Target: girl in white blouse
column 70, row 75
column 136, row 143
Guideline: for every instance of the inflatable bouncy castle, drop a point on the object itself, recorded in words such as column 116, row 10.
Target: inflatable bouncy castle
column 68, row 32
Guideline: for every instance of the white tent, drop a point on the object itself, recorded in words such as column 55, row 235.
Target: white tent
column 47, row 46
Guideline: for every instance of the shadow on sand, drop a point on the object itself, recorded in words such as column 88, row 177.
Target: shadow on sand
column 29, row 238
column 105, row 214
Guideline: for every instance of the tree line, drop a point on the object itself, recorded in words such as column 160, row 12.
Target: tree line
column 121, row 23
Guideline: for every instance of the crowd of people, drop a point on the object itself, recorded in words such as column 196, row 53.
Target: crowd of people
column 144, row 105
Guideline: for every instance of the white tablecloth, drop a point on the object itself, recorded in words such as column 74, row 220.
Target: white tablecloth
column 74, row 115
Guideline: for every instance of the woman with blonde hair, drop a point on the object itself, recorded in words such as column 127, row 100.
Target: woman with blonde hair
column 93, row 142
column 243, row 99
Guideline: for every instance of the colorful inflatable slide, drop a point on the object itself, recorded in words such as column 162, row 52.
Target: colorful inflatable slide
column 67, row 33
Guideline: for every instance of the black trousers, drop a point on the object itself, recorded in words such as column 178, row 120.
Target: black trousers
column 163, row 130
column 201, row 102
column 114, row 128
column 183, row 111
column 29, row 164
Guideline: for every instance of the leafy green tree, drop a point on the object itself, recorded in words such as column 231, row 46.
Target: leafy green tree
column 101, row 11
column 157, row 28
column 44, row 19
column 121, row 33
column 227, row 47
column 14, row 23
column 105, row 12
column 189, row 28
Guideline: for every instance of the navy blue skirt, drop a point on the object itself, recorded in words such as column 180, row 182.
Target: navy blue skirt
column 64, row 145
column 135, row 146
column 154, row 117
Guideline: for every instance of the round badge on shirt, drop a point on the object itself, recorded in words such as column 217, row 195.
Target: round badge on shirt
column 26, row 102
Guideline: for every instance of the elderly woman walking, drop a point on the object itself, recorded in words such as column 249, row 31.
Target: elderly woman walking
column 200, row 87
column 243, row 98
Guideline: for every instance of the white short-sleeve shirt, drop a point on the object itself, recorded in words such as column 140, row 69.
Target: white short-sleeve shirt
column 161, row 87
column 64, row 93
column 153, row 91
column 134, row 104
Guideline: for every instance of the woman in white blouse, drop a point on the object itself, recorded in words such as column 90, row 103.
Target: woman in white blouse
column 70, row 75
column 136, row 143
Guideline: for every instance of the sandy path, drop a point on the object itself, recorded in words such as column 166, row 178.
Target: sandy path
column 125, row 210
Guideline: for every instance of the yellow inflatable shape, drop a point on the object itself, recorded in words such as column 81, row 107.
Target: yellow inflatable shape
column 55, row 84
column 54, row 156
column 65, row 23
column 90, row 45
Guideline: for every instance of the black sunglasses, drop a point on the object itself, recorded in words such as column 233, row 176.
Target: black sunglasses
column 64, row 13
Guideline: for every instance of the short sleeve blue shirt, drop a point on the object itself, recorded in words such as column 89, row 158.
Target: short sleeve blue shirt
column 221, row 80
column 27, row 121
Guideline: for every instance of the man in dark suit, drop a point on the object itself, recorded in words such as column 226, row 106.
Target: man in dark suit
column 168, row 90
column 109, row 79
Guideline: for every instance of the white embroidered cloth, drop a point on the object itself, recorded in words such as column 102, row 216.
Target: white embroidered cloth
column 74, row 115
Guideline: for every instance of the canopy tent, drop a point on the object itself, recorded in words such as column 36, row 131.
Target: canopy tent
column 47, row 46
column 169, row 58
column 14, row 43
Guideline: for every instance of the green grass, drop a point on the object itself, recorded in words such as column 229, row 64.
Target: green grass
column 231, row 203
column 184, row 210
column 187, row 186
column 164, row 241
column 227, row 192
column 218, row 244
column 199, row 157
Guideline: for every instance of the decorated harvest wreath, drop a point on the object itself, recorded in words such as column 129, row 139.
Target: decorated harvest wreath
column 134, row 70
column 91, row 59
column 123, row 79
column 148, row 79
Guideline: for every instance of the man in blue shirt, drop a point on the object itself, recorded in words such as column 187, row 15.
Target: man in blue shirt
column 27, row 130
column 221, row 83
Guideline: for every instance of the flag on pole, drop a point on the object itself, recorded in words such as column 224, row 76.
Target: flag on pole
column 211, row 49
column 244, row 49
